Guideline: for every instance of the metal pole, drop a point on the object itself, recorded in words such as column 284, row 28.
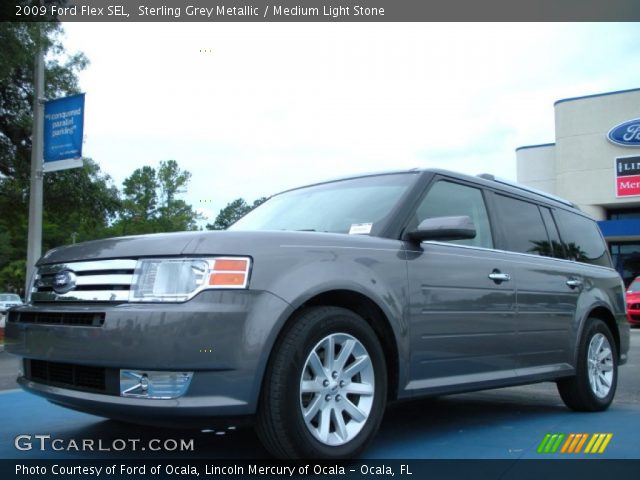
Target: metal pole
column 34, row 242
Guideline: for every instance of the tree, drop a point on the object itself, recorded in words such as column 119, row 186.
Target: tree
column 80, row 203
column 150, row 202
column 139, row 202
column 233, row 212
column 174, row 214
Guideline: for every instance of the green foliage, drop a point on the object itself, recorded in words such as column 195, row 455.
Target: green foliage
column 150, row 204
column 233, row 212
column 79, row 204
column 12, row 275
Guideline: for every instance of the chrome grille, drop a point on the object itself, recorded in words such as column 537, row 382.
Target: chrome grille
column 93, row 281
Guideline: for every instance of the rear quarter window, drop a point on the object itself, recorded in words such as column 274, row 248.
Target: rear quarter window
column 582, row 239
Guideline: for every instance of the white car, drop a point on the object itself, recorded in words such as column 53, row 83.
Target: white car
column 7, row 300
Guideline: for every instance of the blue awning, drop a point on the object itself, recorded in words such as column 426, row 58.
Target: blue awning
column 620, row 228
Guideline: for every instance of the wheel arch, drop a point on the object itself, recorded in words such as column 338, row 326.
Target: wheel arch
column 371, row 312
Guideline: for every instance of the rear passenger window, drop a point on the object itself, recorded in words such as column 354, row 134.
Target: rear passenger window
column 523, row 227
column 582, row 239
column 448, row 199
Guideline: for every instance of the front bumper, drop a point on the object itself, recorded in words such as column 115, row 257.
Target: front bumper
column 224, row 337
column 633, row 317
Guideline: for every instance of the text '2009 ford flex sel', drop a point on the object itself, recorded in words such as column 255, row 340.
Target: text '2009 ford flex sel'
column 326, row 302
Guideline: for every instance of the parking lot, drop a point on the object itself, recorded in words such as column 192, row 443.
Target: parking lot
column 507, row 423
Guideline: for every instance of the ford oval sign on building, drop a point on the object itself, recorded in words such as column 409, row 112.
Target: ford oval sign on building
column 626, row 134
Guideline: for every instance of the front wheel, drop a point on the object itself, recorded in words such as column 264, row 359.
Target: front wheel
column 594, row 385
column 325, row 388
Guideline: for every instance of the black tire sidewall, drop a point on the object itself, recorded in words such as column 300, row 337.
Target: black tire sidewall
column 331, row 320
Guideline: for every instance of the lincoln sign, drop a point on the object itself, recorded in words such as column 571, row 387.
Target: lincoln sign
column 627, row 176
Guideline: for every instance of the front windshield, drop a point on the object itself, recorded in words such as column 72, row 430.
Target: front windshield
column 346, row 206
column 8, row 297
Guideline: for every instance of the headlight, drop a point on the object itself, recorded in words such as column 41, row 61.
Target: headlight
column 35, row 276
column 179, row 279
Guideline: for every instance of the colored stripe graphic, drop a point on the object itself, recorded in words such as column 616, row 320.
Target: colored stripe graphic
column 551, row 442
column 598, row 443
column 573, row 443
column 543, row 443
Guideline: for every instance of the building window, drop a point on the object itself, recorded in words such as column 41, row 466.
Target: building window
column 626, row 259
column 626, row 214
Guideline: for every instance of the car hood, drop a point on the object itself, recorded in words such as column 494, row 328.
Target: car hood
column 199, row 243
column 633, row 296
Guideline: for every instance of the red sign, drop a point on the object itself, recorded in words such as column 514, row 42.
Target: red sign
column 627, row 186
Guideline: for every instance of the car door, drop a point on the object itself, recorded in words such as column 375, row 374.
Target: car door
column 462, row 298
column 547, row 288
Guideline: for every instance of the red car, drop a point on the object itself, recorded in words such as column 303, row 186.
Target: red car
column 633, row 302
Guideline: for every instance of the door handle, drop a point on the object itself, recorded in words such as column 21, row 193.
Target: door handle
column 499, row 277
column 574, row 283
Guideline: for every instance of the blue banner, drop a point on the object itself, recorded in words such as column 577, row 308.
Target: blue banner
column 63, row 130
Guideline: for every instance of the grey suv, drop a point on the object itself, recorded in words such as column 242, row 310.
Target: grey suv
column 326, row 302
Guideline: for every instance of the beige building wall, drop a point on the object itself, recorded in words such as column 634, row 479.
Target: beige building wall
column 583, row 158
column 536, row 167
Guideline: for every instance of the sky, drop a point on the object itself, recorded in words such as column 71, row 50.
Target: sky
column 254, row 109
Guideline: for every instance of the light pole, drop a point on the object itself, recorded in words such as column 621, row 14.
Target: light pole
column 34, row 242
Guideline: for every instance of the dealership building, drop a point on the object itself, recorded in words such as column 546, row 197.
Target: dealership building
column 595, row 163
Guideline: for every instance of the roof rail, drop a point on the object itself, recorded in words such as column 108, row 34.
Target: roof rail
column 493, row 178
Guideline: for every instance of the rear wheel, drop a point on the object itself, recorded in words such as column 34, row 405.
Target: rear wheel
column 325, row 388
column 594, row 385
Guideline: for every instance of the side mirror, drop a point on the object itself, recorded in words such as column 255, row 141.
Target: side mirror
column 444, row 228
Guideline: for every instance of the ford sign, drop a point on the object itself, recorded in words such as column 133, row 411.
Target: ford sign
column 626, row 134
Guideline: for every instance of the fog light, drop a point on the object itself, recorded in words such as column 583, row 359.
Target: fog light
column 154, row 384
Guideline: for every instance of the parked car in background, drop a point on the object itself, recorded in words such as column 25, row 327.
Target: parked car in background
column 323, row 304
column 7, row 300
column 633, row 302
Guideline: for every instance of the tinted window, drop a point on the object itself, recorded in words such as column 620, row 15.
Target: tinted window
column 447, row 199
column 552, row 230
column 582, row 239
column 523, row 227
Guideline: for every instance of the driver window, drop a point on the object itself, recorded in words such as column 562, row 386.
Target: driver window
column 445, row 199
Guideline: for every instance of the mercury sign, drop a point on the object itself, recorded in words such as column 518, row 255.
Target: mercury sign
column 626, row 134
column 627, row 176
column 63, row 130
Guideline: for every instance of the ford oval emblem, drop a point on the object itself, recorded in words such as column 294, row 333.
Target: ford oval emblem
column 626, row 134
column 64, row 281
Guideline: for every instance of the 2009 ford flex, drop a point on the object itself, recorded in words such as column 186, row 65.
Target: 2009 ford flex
column 325, row 303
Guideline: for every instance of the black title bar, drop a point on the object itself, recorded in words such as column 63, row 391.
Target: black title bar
column 319, row 10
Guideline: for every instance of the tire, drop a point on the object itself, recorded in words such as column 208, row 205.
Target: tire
column 343, row 397
column 594, row 385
